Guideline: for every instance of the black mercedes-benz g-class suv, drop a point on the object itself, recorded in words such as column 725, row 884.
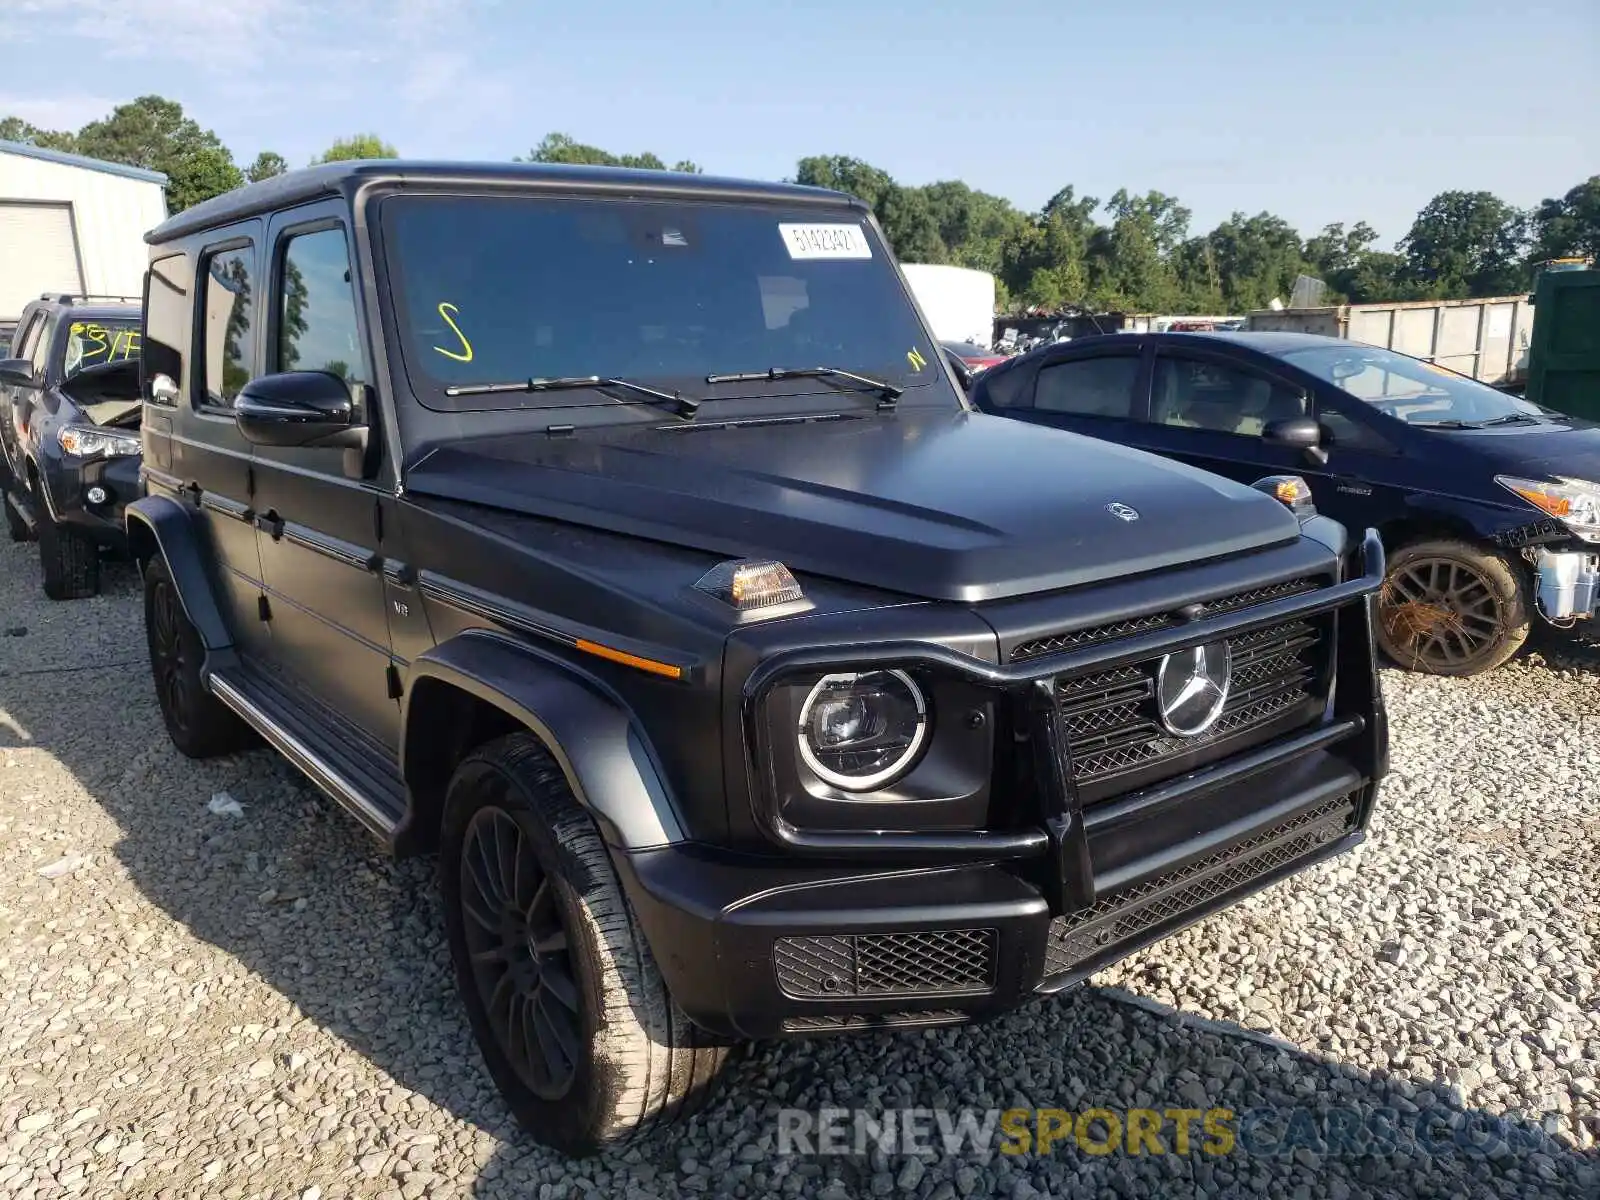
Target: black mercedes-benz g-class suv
column 69, row 434
column 623, row 537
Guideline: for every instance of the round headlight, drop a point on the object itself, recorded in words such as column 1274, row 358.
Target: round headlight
column 859, row 731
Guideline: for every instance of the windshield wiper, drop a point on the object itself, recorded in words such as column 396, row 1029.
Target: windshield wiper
column 1451, row 423
column 888, row 392
column 683, row 406
column 1513, row 419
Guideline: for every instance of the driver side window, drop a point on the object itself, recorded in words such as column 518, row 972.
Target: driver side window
column 1203, row 393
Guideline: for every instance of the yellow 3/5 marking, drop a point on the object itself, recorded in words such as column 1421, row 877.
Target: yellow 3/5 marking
column 914, row 357
column 465, row 354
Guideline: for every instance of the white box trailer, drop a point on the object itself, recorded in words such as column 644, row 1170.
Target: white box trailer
column 72, row 225
column 1486, row 339
column 958, row 301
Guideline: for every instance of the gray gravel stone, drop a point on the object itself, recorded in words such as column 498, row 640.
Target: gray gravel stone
column 261, row 1004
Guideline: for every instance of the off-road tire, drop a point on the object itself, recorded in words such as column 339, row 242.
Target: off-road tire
column 640, row 1063
column 71, row 562
column 1478, row 634
column 19, row 529
column 200, row 725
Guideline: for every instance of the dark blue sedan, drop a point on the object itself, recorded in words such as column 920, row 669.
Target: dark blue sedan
column 1489, row 505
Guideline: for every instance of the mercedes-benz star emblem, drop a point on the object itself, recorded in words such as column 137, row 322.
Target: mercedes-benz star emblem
column 1192, row 687
column 1122, row 511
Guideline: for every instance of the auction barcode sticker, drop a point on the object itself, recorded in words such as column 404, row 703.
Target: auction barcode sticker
column 825, row 241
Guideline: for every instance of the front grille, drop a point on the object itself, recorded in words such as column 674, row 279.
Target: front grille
column 886, row 964
column 1122, row 916
column 831, row 1023
column 1072, row 640
column 1112, row 724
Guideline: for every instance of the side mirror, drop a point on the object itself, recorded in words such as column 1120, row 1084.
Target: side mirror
column 298, row 408
column 17, row 372
column 1298, row 433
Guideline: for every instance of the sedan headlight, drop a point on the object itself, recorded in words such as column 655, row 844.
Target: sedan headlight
column 860, row 731
column 1573, row 502
column 95, row 443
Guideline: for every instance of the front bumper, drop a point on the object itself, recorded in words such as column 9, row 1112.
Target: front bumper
column 868, row 930
column 70, row 484
column 754, row 950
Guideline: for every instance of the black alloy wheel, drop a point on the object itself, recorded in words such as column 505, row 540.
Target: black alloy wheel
column 200, row 725
column 169, row 662
column 520, row 954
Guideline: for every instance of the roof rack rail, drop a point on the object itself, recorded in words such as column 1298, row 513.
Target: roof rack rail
column 84, row 297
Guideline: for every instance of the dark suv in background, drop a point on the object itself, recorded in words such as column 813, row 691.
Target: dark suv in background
column 69, row 434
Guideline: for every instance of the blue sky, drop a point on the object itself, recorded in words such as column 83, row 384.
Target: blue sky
column 1349, row 110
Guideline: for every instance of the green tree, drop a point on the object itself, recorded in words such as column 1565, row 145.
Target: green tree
column 1466, row 244
column 1255, row 259
column 15, row 129
column 267, row 165
column 205, row 173
column 1130, row 261
column 845, row 174
column 153, row 132
column 359, row 146
column 1569, row 226
column 562, row 148
column 1045, row 263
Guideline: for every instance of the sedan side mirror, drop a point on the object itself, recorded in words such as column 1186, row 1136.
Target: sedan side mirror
column 17, row 372
column 1298, row 433
column 298, row 408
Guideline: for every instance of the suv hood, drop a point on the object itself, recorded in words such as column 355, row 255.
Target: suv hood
column 946, row 505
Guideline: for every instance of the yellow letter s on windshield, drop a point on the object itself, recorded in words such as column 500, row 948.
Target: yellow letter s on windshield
column 466, row 346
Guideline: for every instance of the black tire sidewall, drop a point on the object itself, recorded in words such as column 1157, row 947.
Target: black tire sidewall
column 567, row 1123
column 209, row 728
column 1508, row 584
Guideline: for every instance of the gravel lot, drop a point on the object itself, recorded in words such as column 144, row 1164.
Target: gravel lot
column 259, row 1005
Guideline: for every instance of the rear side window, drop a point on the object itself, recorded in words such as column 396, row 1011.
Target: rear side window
column 1089, row 387
column 1003, row 388
column 317, row 307
column 227, row 348
column 166, row 318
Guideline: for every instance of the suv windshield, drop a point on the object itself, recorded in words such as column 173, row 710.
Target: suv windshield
column 504, row 288
column 95, row 342
column 1409, row 389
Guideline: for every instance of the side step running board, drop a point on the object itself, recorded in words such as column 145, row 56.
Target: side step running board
column 316, row 767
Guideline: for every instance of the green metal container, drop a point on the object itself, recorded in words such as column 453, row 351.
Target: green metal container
column 1564, row 350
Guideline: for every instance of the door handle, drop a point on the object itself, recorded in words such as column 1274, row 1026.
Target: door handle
column 271, row 523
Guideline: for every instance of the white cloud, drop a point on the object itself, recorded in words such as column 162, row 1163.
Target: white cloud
column 71, row 111
column 200, row 33
column 277, row 60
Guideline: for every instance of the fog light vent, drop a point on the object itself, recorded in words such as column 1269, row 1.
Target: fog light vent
column 97, row 495
column 935, row 962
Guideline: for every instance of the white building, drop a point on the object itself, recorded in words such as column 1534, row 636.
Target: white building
column 72, row 224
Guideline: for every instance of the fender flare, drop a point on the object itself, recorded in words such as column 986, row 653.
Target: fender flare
column 159, row 525
column 590, row 732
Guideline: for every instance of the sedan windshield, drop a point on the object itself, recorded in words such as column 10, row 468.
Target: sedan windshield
column 681, row 296
column 93, row 343
column 1410, row 389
